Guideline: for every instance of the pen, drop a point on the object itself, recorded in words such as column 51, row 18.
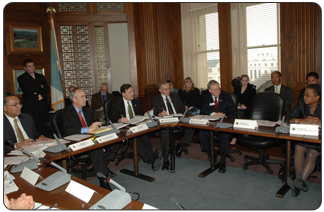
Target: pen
column 53, row 206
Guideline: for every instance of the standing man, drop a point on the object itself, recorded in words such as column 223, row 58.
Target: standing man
column 168, row 103
column 34, row 87
column 285, row 91
column 124, row 108
column 78, row 119
column 98, row 99
column 311, row 78
column 18, row 127
column 217, row 103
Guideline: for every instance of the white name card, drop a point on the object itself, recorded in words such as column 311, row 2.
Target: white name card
column 304, row 129
column 81, row 144
column 138, row 128
column 245, row 123
column 169, row 120
column 80, row 191
column 106, row 138
column 29, row 176
column 199, row 121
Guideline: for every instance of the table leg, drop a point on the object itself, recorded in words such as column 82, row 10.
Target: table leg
column 172, row 168
column 213, row 167
column 285, row 188
column 136, row 173
column 64, row 164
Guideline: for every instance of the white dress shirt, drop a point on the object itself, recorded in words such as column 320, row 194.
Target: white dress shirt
column 126, row 108
column 11, row 121
column 165, row 103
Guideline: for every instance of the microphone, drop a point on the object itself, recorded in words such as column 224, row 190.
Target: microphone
column 223, row 125
column 31, row 164
column 116, row 199
column 183, row 119
column 281, row 128
column 58, row 148
column 174, row 200
column 152, row 123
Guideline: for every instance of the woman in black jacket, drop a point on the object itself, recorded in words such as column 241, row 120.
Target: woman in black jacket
column 190, row 96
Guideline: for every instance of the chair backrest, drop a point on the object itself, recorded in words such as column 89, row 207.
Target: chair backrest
column 106, row 108
column 234, row 97
column 267, row 106
column 56, row 122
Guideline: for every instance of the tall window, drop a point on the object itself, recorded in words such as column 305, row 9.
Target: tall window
column 256, row 35
column 206, row 44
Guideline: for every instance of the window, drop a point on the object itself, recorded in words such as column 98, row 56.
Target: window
column 255, row 34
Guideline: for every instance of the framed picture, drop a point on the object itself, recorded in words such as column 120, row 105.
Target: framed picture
column 18, row 72
column 25, row 39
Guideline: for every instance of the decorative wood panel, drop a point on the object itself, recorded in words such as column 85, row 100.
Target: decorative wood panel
column 301, row 43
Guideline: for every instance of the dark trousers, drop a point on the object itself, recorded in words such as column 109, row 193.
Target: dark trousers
column 223, row 139
column 99, row 158
column 165, row 140
column 144, row 148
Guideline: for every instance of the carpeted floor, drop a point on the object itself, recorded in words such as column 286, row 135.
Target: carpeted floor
column 236, row 189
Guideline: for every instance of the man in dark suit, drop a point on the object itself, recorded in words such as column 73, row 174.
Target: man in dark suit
column 217, row 103
column 285, row 91
column 124, row 108
column 18, row 127
column 78, row 119
column 98, row 99
column 34, row 87
column 168, row 103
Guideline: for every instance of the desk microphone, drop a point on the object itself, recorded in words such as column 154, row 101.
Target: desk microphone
column 117, row 199
column 31, row 164
column 152, row 123
column 174, row 200
column 281, row 128
column 58, row 148
column 223, row 125
column 183, row 119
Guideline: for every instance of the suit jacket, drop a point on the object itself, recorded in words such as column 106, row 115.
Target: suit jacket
column 9, row 134
column 96, row 101
column 117, row 109
column 31, row 88
column 70, row 121
column 159, row 106
column 287, row 94
column 225, row 105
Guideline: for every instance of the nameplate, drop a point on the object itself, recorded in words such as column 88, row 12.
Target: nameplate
column 81, row 145
column 304, row 129
column 245, row 123
column 169, row 120
column 80, row 191
column 106, row 138
column 29, row 176
column 138, row 128
column 199, row 121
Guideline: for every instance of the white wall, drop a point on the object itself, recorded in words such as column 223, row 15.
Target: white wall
column 119, row 55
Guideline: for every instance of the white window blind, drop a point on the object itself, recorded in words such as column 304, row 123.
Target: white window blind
column 255, row 39
column 205, row 29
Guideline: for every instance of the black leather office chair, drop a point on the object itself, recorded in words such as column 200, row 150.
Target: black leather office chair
column 82, row 160
column 265, row 106
column 124, row 154
column 238, row 151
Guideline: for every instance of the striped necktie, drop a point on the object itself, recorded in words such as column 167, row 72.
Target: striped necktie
column 18, row 131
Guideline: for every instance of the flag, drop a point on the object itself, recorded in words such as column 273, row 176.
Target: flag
column 56, row 81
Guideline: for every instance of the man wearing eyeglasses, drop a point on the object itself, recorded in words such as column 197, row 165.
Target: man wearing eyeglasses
column 19, row 128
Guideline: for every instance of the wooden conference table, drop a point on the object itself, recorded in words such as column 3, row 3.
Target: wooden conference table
column 211, row 126
column 64, row 199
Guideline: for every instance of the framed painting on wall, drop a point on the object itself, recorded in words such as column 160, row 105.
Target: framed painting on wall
column 18, row 72
column 25, row 39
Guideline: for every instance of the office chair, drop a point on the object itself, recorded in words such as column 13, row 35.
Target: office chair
column 124, row 145
column 83, row 160
column 238, row 151
column 265, row 106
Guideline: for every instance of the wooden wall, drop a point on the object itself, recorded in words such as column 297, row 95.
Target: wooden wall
column 155, row 42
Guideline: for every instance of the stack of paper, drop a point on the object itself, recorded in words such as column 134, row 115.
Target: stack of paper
column 9, row 184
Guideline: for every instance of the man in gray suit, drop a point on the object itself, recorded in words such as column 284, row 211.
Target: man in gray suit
column 285, row 91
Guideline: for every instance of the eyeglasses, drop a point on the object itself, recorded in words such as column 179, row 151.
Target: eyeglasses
column 308, row 96
column 15, row 105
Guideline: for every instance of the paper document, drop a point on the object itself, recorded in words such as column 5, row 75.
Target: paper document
column 197, row 117
column 117, row 125
column 266, row 123
column 77, row 137
column 15, row 160
column 177, row 115
column 212, row 118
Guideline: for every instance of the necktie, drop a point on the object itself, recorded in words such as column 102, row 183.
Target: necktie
column 39, row 96
column 82, row 120
column 169, row 106
column 216, row 104
column 103, row 99
column 18, row 131
column 130, row 111
column 276, row 91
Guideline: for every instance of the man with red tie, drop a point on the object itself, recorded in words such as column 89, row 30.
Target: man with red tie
column 78, row 119
column 34, row 87
column 216, row 103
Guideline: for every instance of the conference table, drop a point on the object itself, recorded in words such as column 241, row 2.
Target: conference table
column 64, row 199
column 211, row 126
